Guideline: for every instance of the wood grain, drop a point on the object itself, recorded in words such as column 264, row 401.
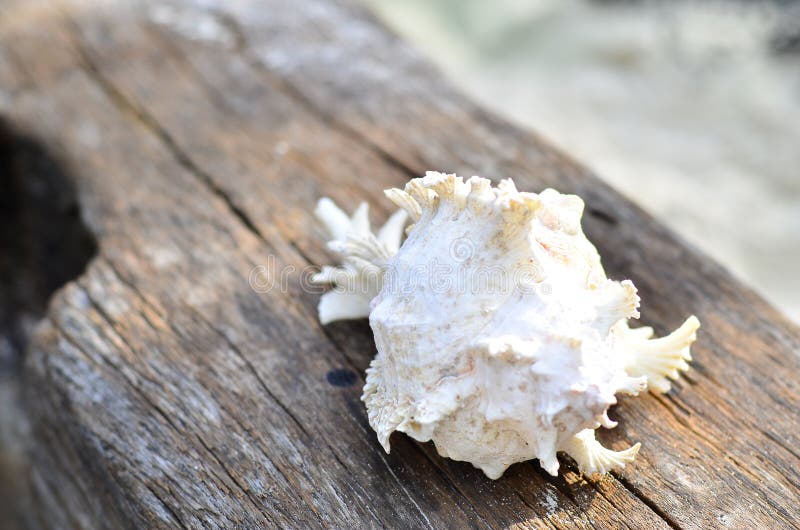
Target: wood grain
column 163, row 390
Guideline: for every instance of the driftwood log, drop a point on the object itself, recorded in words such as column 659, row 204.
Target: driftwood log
column 178, row 376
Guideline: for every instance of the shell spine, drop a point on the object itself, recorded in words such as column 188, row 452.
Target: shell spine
column 499, row 336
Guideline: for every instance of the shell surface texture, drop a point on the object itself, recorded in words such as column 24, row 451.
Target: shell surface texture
column 498, row 334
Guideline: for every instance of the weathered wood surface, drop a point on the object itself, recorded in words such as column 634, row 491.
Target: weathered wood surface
column 163, row 390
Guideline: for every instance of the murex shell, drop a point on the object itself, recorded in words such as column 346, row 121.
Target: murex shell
column 499, row 336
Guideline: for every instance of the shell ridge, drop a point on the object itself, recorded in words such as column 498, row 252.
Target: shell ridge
column 519, row 349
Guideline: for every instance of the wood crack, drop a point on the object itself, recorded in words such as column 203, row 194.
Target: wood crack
column 246, row 491
column 781, row 443
column 616, row 508
column 127, row 282
column 272, row 396
column 152, row 404
column 559, row 484
column 742, row 469
column 405, row 490
column 533, row 509
column 62, row 437
column 451, row 483
column 67, row 337
column 290, row 90
column 666, row 517
column 275, row 399
column 155, row 494
column 110, row 323
column 129, row 108
column 252, row 369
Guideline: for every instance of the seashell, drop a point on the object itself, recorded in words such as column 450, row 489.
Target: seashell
column 499, row 336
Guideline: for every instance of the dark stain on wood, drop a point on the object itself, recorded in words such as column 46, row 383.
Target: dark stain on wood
column 341, row 377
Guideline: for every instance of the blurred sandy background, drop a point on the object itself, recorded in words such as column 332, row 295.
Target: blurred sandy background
column 689, row 107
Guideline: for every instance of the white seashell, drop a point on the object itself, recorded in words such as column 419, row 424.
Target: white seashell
column 364, row 259
column 499, row 335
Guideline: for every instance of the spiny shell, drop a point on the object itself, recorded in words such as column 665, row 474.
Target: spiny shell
column 499, row 335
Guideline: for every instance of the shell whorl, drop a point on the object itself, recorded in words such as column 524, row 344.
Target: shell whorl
column 517, row 349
